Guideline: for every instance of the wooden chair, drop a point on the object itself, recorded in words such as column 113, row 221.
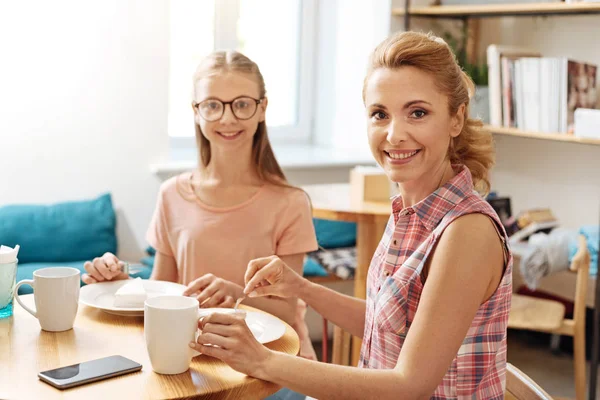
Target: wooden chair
column 520, row 387
column 543, row 315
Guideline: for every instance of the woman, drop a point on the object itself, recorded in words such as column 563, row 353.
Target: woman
column 439, row 285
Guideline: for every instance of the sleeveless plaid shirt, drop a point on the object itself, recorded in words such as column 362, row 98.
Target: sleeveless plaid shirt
column 394, row 288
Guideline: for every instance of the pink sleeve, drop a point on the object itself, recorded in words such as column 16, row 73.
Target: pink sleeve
column 158, row 231
column 298, row 233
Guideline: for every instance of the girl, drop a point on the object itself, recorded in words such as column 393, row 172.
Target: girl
column 439, row 286
column 237, row 206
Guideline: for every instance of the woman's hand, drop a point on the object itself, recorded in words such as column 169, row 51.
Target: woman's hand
column 105, row 268
column 270, row 276
column 237, row 346
column 212, row 291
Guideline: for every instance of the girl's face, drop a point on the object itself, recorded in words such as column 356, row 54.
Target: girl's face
column 409, row 126
column 228, row 125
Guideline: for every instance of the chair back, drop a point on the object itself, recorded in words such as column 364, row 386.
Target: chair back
column 521, row 387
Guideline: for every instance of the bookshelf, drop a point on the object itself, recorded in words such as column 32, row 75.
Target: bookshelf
column 559, row 137
column 500, row 10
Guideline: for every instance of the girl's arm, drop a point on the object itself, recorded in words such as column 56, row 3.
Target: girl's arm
column 465, row 270
column 165, row 268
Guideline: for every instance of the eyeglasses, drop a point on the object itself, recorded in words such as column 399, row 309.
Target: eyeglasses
column 242, row 107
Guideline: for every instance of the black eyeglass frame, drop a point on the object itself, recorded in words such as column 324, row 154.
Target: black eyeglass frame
column 230, row 103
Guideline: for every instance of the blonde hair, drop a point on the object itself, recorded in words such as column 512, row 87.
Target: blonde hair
column 473, row 147
column 267, row 167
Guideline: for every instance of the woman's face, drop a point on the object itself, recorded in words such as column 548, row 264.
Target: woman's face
column 409, row 125
column 231, row 125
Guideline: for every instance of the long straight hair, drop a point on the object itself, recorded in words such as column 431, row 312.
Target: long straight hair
column 267, row 167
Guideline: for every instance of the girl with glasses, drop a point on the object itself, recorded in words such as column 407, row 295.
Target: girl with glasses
column 236, row 206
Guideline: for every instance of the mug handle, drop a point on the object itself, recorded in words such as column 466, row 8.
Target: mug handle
column 18, row 298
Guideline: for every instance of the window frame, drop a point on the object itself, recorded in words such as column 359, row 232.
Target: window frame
column 225, row 37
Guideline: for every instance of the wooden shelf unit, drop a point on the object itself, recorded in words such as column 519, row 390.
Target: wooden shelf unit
column 500, row 10
column 559, row 137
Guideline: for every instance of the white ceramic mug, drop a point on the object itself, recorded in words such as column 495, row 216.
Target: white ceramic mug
column 56, row 294
column 170, row 324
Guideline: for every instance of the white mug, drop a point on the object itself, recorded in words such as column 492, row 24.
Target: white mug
column 56, row 294
column 170, row 324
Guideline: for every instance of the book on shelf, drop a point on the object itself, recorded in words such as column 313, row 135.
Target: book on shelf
column 538, row 94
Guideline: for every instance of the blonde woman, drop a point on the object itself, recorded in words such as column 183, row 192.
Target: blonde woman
column 439, row 285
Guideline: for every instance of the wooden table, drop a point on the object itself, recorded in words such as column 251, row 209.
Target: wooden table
column 26, row 350
column 333, row 202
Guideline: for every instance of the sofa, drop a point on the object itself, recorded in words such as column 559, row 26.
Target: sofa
column 65, row 234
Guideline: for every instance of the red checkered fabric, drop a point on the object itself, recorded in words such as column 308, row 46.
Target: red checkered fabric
column 394, row 289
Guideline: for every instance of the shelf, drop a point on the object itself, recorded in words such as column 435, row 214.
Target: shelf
column 559, row 137
column 499, row 10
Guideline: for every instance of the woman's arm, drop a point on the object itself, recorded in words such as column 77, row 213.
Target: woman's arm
column 465, row 270
column 165, row 268
column 284, row 308
column 347, row 312
column 271, row 276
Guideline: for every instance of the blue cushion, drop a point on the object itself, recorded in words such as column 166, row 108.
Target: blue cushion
column 61, row 232
column 25, row 271
column 148, row 261
column 332, row 234
column 313, row 268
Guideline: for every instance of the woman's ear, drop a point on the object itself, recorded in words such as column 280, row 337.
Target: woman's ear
column 458, row 121
column 263, row 109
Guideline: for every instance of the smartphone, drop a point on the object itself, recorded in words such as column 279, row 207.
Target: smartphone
column 89, row 371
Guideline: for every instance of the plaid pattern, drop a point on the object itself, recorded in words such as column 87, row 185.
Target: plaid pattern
column 340, row 261
column 394, row 289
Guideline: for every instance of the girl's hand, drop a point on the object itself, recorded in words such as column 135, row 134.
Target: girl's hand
column 270, row 276
column 214, row 292
column 105, row 268
column 236, row 345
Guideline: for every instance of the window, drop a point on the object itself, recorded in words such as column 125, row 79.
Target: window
column 277, row 35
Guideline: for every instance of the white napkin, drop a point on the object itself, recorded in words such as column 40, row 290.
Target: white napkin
column 131, row 295
column 8, row 254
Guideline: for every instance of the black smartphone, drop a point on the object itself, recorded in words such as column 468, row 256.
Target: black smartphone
column 89, row 371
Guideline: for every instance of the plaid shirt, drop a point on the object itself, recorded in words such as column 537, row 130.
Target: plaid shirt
column 394, row 288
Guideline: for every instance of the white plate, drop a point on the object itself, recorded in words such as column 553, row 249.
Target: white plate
column 102, row 295
column 265, row 327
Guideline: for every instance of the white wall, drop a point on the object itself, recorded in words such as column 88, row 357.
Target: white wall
column 84, row 105
column 540, row 173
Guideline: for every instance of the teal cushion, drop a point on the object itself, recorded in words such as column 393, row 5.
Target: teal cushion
column 64, row 232
column 313, row 268
column 148, row 261
column 332, row 234
column 25, row 271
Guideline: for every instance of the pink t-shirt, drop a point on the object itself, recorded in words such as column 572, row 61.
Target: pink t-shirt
column 221, row 241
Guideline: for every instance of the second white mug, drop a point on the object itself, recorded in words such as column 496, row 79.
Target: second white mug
column 56, row 294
